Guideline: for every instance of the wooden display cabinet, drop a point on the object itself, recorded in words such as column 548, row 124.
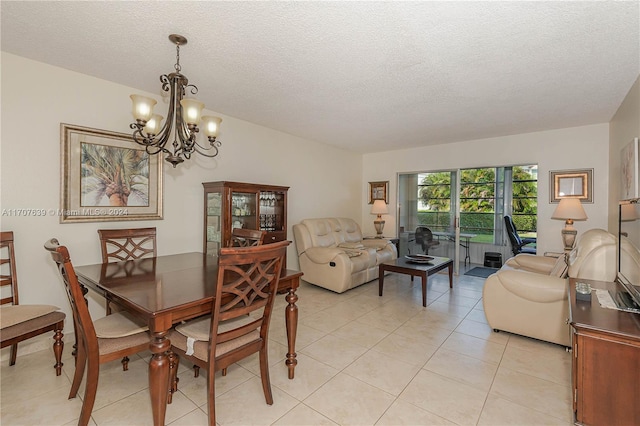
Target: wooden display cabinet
column 229, row 205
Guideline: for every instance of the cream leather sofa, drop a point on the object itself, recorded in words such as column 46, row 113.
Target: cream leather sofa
column 333, row 254
column 528, row 295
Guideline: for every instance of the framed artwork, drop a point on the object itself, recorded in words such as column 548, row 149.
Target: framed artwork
column 106, row 176
column 629, row 173
column 379, row 191
column 571, row 184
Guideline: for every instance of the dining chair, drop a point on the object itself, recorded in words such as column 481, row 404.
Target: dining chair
column 100, row 341
column 242, row 237
column 126, row 244
column 518, row 245
column 239, row 322
column 424, row 238
column 22, row 322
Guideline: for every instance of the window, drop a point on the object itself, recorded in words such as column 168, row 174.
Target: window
column 486, row 196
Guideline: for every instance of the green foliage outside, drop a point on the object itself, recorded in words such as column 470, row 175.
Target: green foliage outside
column 477, row 198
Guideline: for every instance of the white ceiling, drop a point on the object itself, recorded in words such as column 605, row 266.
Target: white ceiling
column 365, row 76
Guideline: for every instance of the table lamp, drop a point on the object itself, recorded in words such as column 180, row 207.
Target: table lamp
column 379, row 208
column 569, row 209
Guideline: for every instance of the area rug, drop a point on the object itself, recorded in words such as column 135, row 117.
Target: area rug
column 481, row 271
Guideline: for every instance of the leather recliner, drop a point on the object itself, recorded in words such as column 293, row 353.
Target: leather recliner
column 333, row 253
column 525, row 297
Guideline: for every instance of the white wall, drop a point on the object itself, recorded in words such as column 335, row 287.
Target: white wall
column 625, row 125
column 564, row 149
column 36, row 98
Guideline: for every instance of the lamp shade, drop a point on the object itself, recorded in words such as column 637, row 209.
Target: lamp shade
column 153, row 125
column 379, row 207
column 569, row 209
column 142, row 107
column 211, row 125
column 191, row 110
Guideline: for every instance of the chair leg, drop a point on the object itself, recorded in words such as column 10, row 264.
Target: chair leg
column 264, row 374
column 224, row 371
column 211, row 394
column 125, row 363
column 14, row 354
column 196, row 371
column 173, row 375
column 58, row 346
column 91, row 388
column 81, row 362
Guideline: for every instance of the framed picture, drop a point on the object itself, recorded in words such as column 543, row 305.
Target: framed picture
column 629, row 170
column 571, row 184
column 106, row 176
column 379, row 191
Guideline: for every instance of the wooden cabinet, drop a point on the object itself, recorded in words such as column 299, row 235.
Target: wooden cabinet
column 606, row 361
column 229, row 205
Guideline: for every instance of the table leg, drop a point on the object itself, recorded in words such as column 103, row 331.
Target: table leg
column 424, row 289
column 291, row 320
column 159, row 375
column 380, row 280
column 451, row 275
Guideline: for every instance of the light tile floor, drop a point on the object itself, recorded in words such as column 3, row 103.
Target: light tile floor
column 362, row 360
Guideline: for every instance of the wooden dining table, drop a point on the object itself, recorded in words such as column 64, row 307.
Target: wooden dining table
column 165, row 290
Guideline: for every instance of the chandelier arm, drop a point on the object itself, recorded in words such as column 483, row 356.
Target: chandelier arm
column 150, row 146
column 213, row 145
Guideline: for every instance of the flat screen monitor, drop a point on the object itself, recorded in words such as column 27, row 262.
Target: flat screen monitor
column 629, row 254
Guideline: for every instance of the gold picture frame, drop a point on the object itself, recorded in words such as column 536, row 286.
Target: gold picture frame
column 571, row 184
column 106, row 176
column 379, row 191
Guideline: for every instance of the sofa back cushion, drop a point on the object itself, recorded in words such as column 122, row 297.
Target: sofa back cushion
column 348, row 230
column 321, row 232
column 594, row 257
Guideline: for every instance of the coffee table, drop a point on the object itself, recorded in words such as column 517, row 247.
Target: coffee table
column 403, row 266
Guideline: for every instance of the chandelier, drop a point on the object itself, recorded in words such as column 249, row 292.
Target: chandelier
column 182, row 119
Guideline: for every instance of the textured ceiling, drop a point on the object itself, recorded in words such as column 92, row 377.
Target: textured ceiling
column 366, row 76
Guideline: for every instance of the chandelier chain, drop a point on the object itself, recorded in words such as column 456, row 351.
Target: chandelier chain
column 177, row 65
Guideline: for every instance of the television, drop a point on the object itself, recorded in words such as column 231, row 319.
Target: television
column 628, row 255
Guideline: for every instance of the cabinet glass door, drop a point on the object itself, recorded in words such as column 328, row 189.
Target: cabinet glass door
column 243, row 210
column 272, row 210
column 214, row 223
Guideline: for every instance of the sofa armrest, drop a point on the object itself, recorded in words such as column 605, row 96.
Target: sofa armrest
column 531, row 286
column 532, row 263
column 376, row 243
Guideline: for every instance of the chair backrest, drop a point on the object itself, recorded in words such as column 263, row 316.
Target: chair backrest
column 512, row 233
column 241, row 237
column 248, row 280
column 8, row 277
column 85, row 332
column 594, row 256
column 127, row 244
column 423, row 236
